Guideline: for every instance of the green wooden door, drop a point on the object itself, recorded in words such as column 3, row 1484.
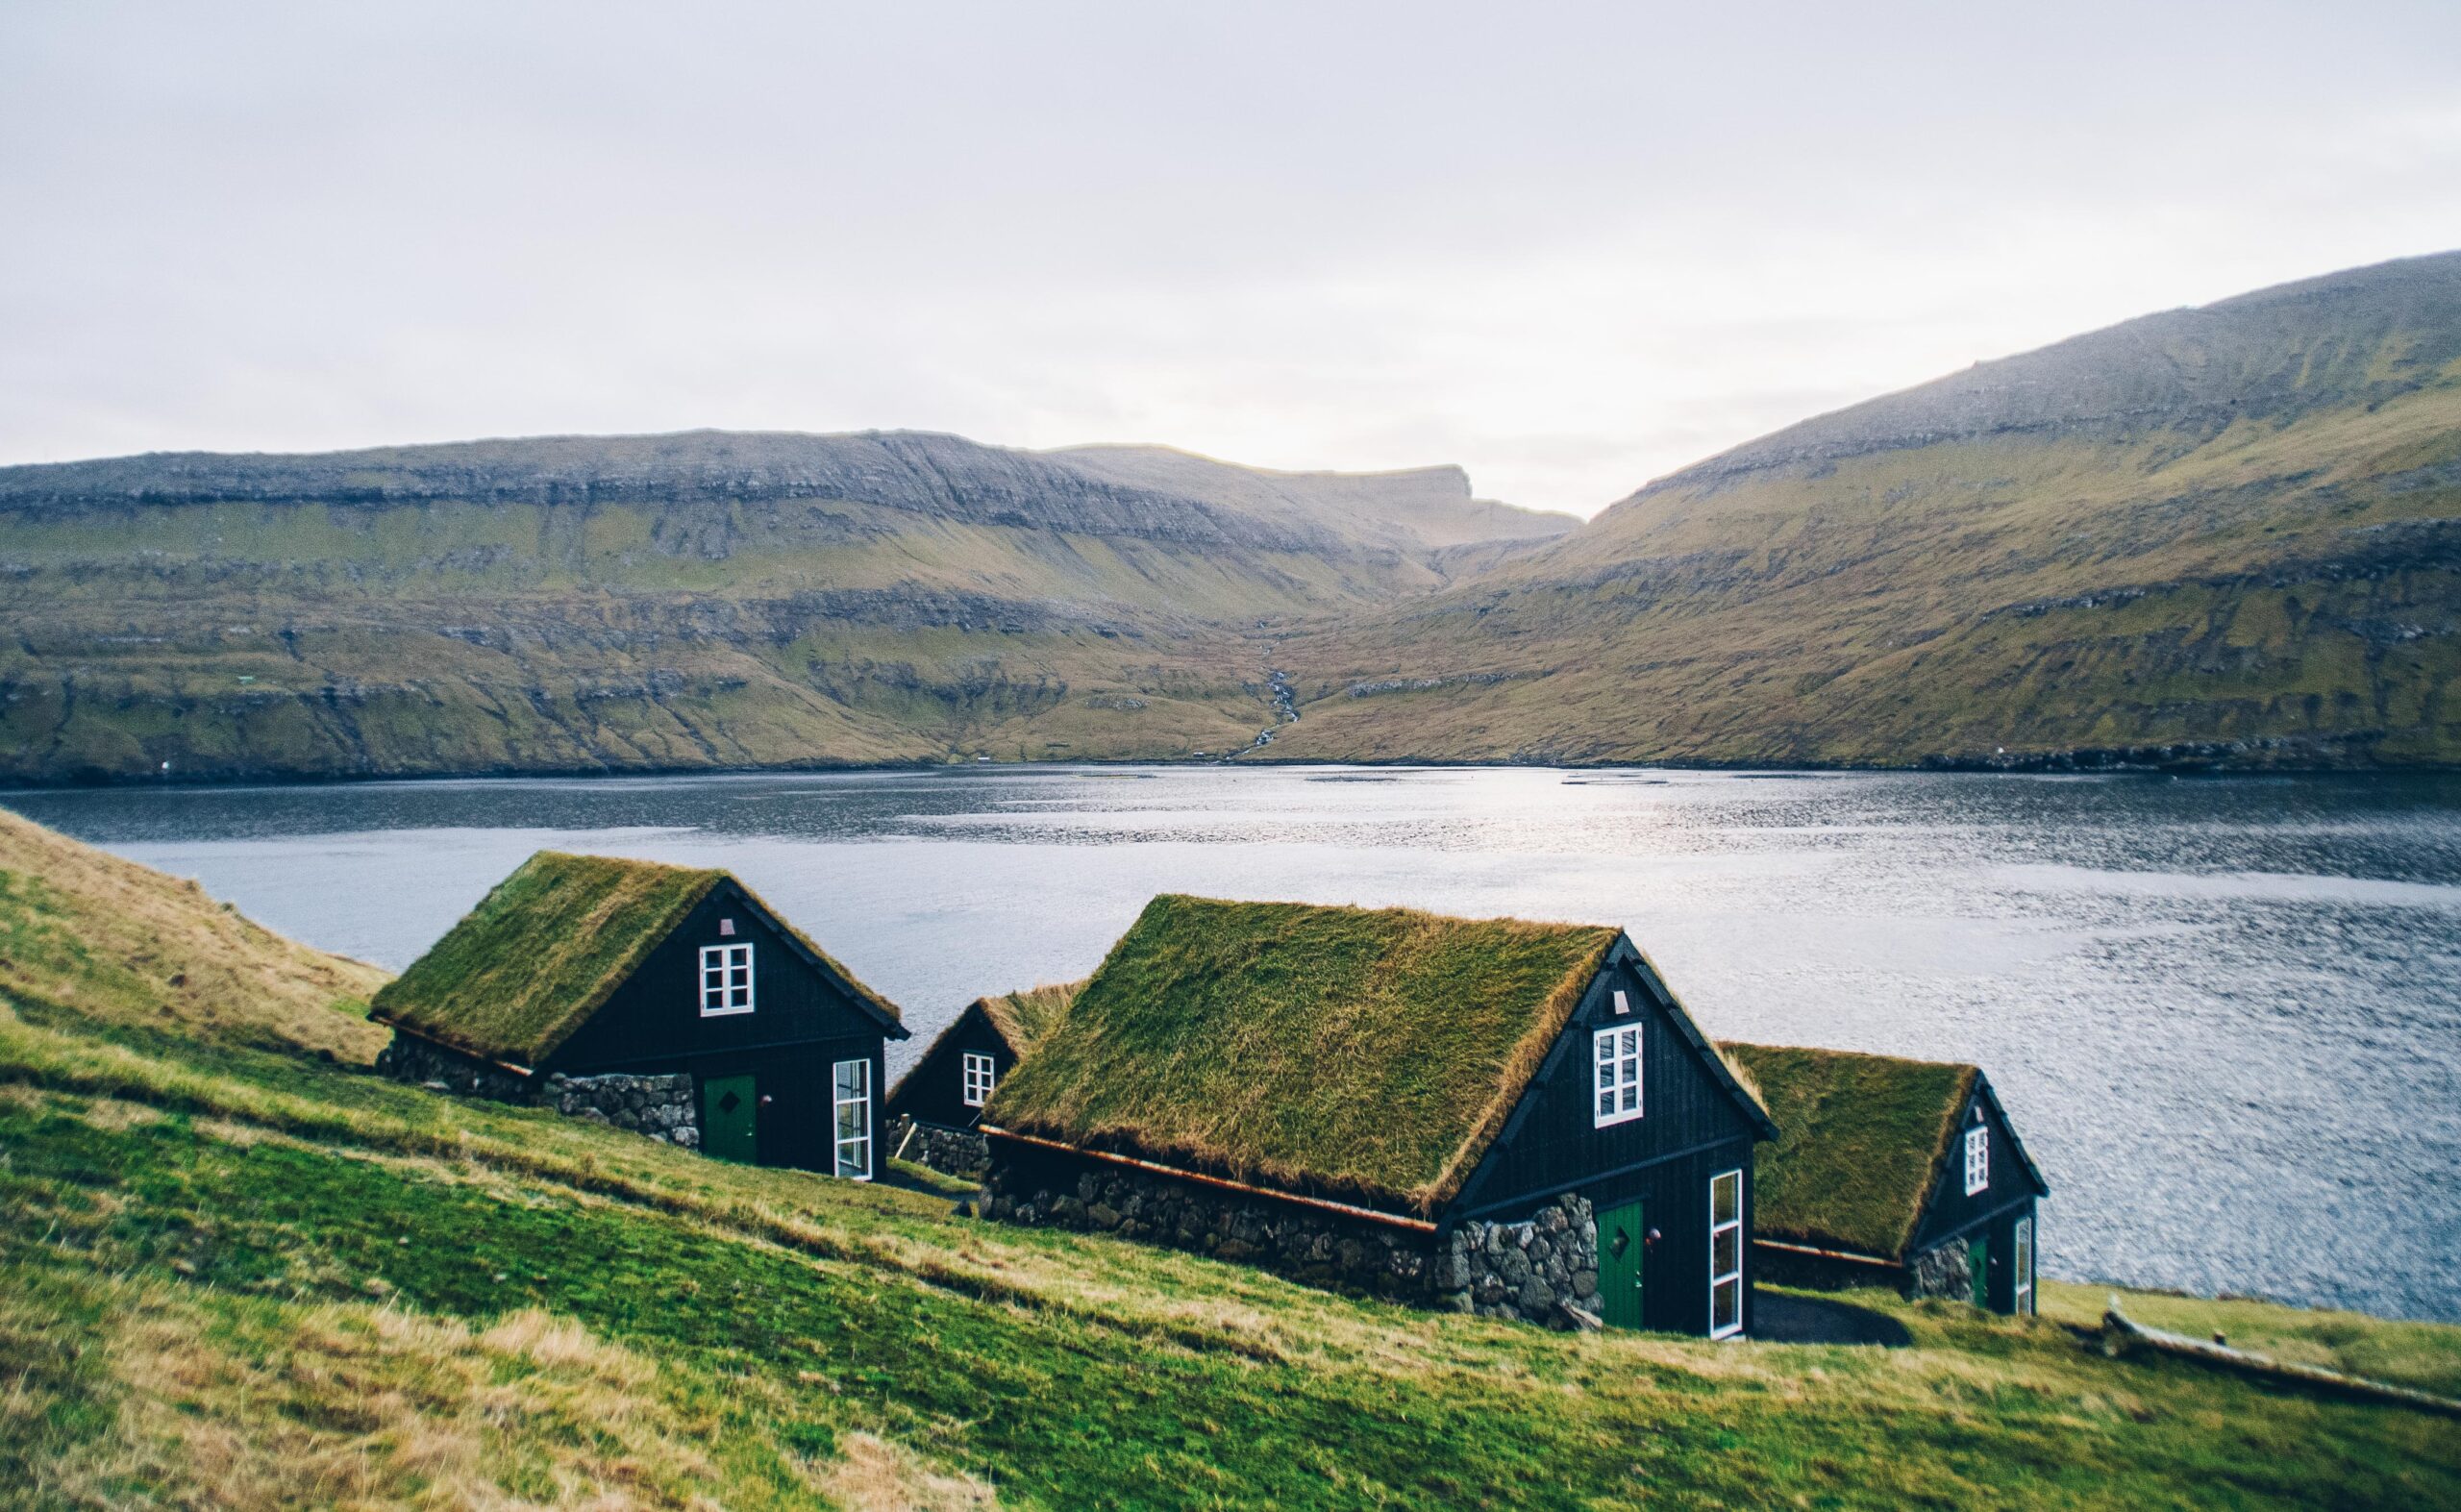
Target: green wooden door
column 727, row 1128
column 1978, row 1260
column 1620, row 1245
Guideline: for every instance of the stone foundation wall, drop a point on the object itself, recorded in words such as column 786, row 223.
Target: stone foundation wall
column 662, row 1108
column 1941, row 1272
column 951, row 1151
column 1543, row 1269
column 1793, row 1268
column 425, row 1063
column 1531, row 1269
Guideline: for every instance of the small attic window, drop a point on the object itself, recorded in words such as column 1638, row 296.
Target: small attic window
column 1977, row 1159
column 726, row 926
column 1617, row 1055
column 1622, row 1001
column 725, row 980
column 979, row 1073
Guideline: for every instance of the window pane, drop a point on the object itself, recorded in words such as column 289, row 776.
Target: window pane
column 1725, row 1306
column 1632, row 1098
column 1631, row 1043
column 1606, row 1075
column 1726, row 1197
column 1726, row 1251
column 1605, row 1103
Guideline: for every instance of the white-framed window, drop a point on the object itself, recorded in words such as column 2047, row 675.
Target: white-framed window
column 1725, row 1254
column 1977, row 1158
column 1616, row 1053
column 851, row 1097
column 2024, row 1266
column 725, row 980
column 978, row 1074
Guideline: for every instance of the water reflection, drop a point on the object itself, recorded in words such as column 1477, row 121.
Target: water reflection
column 2201, row 999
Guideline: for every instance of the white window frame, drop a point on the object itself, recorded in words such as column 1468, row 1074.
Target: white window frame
column 838, row 1102
column 1733, row 1278
column 978, row 1074
column 1616, row 1073
column 2024, row 1260
column 719, row 964
column 1977, row 1158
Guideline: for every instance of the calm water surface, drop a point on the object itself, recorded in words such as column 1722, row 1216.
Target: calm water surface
column 2226, row 1015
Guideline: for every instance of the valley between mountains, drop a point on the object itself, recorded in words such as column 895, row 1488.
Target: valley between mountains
column 2227, row 537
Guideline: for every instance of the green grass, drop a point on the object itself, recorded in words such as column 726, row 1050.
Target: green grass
column 2424, row 1355
column 1863, row 1138
column 240, row 1276
column 1393, row 1043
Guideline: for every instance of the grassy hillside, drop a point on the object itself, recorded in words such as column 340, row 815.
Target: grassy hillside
column 2233, row 531
column 231, row 1275
column 693, row 601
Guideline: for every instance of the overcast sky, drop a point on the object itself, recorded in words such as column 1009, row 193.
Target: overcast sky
column 1570, row 247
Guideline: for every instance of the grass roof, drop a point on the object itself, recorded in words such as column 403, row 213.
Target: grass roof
column 1024, row 1017
column 1370, row 1054
column 544, row 951
column 1862, row 1142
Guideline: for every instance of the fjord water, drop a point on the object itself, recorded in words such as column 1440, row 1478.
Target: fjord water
column 2224, row 1013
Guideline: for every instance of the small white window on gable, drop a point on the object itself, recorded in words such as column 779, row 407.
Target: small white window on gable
column 1977, row 1158
column 978, row 1074
column 1622, row 1003
column 1617, row 1055
column 725, row 980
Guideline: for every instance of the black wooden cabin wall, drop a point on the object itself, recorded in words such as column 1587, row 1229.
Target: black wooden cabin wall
column 1553, row 1144
column 933, row 1091
column 800, row 1027
column 1690, row 1129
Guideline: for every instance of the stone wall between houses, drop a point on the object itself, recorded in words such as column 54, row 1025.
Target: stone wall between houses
column 951, row 1151
column 1776, row 1267
column 662, row 1106
column 1542, row 1269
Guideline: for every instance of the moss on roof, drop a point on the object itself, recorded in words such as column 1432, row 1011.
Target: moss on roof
column 1370, row 1054
column 1861, row 1147
column 544, row 951
column 1024, row 1017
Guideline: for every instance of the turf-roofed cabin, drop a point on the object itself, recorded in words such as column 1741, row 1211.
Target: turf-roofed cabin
column 663, row 998
column 935, row 1106
column 1895, row 1172
column 1486, row 1115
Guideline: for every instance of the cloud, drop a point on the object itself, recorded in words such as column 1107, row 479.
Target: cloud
column 1571, row 247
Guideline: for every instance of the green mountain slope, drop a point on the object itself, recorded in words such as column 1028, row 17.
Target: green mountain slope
column 235, row 1275
column 697, row 600
column 2232, row 532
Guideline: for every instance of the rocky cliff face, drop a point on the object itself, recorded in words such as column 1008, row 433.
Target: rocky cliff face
column 573, row 603
column 942, row 477
column 2217, row 536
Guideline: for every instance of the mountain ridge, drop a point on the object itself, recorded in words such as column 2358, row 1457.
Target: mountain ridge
column 2224, row 536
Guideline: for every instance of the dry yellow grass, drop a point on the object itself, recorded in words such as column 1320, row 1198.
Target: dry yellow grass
column 126, row 944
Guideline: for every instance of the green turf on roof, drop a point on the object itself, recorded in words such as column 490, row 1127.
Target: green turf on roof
column 1024, row 1017
column 1370, row 1054
column 542, row 952
column 1862, row 1139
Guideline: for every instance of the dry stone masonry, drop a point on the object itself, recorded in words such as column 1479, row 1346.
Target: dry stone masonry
column 952, row 1151
column 1541, row 1270
column 662, row 1108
